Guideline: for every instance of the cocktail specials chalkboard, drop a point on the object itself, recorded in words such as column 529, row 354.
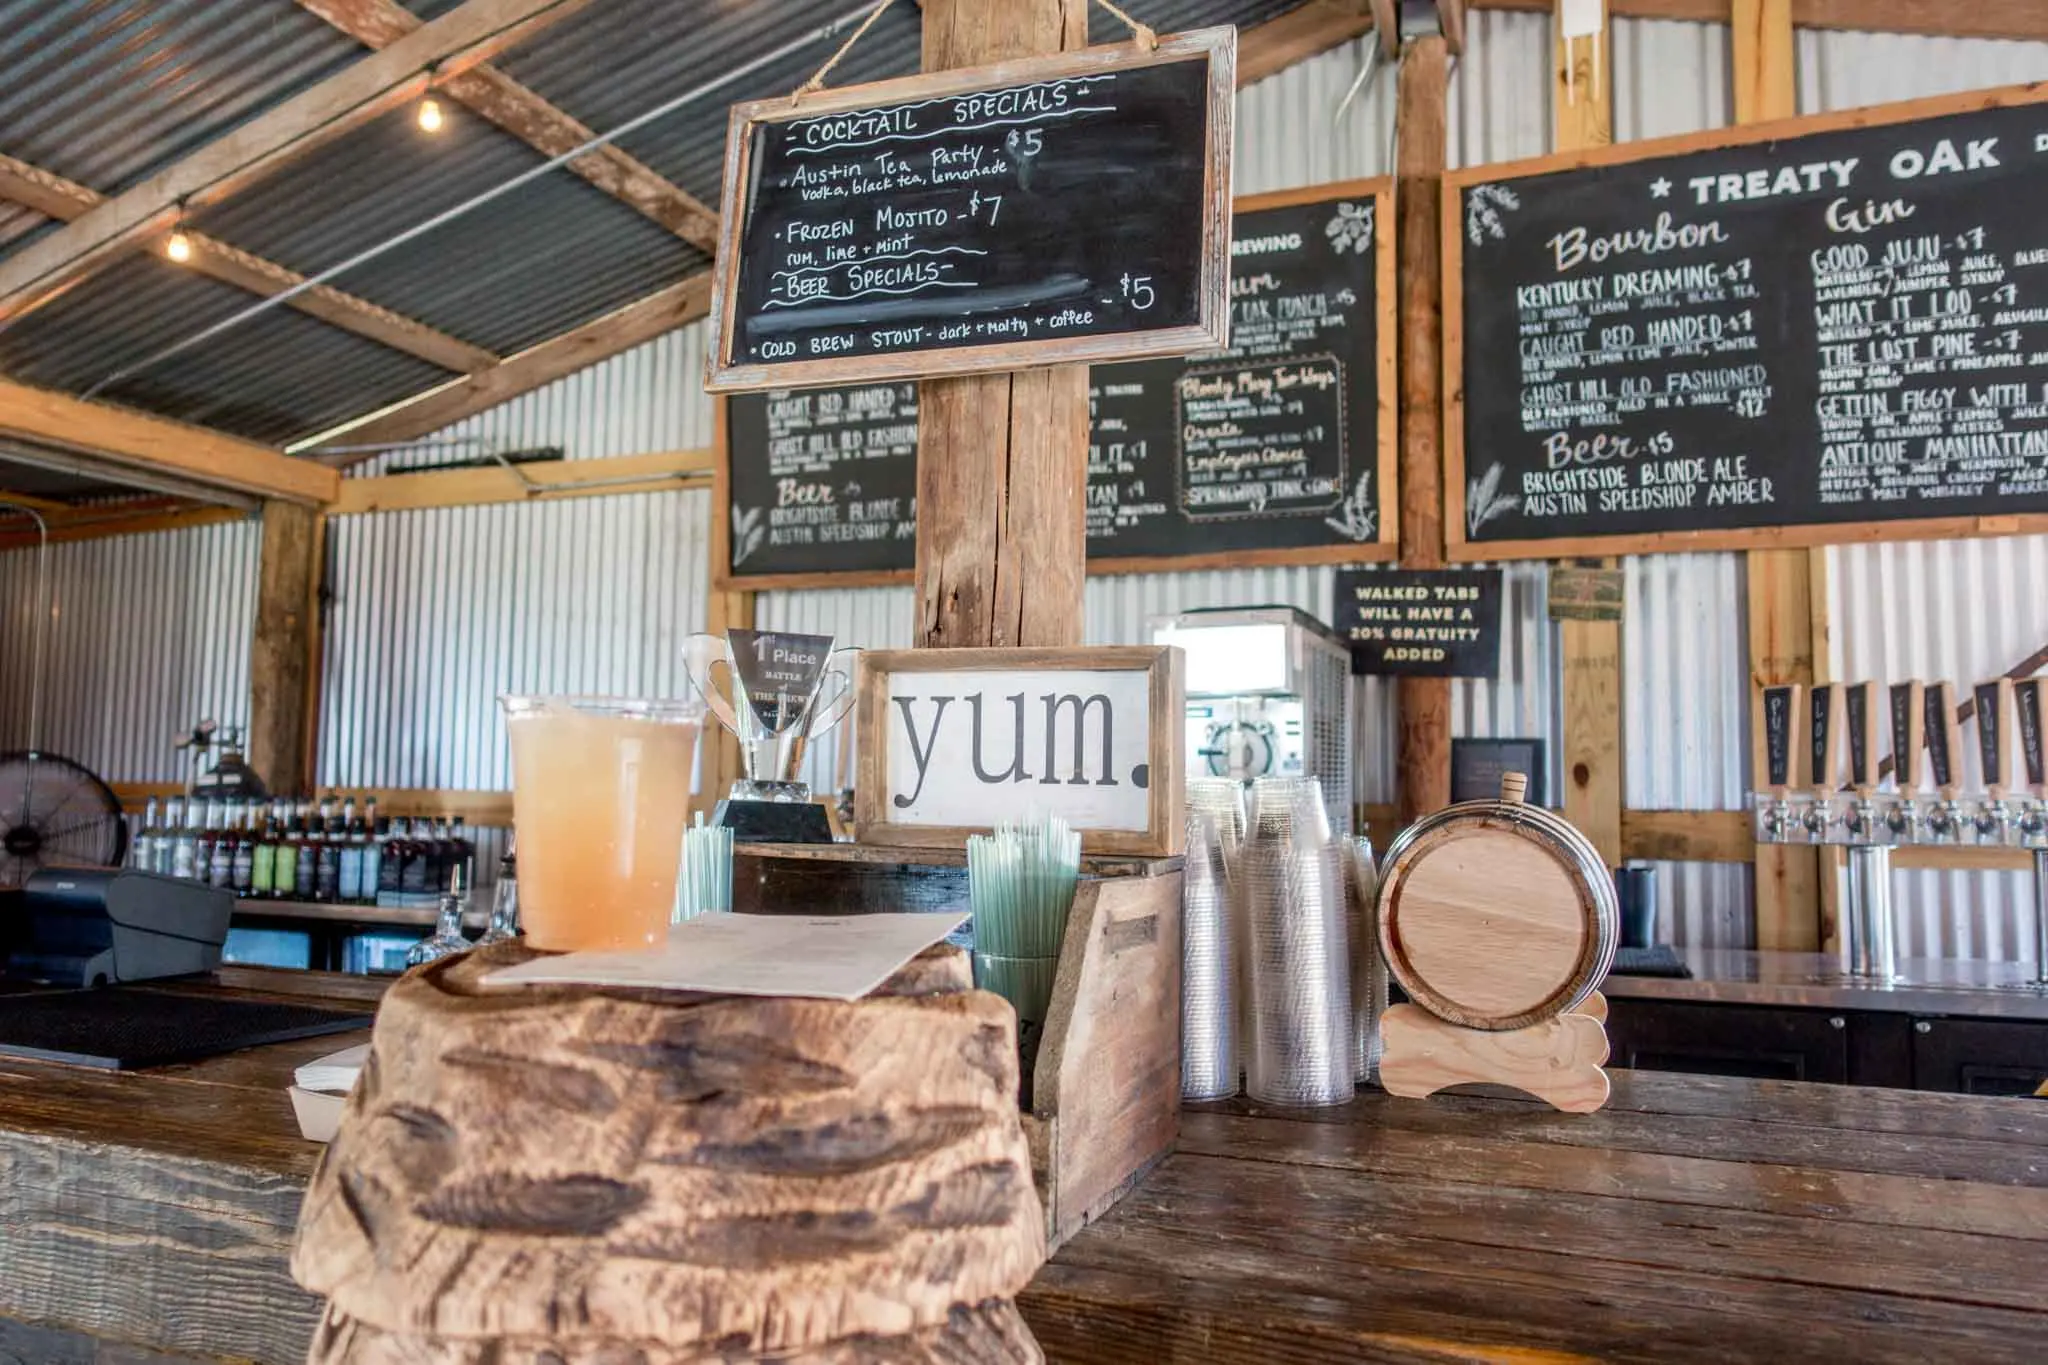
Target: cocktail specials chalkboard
column 1428, row 623
column 1056, row 209
column 1777, row 335
column 1277, row 450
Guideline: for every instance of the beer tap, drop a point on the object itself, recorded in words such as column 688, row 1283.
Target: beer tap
column 1944, row 750
column 1859, row 721
column 1908, row 714
column 1867, row 943
column 1823, row 709
column 2028, row 699
column 2033, row 821
column 1781, row 740
column 1993, row 817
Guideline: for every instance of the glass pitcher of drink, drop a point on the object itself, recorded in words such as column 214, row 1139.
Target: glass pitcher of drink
column 600, row 797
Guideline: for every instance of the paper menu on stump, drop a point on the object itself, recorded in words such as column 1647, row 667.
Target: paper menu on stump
column 828, row 957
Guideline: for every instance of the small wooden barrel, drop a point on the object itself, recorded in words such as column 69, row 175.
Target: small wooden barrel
column 1496, row 915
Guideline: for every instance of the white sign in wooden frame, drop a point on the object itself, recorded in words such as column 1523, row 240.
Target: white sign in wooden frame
column 953, row 742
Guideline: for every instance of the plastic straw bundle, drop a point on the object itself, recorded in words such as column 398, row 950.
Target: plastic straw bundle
column 705, row 883
column 1368, row 968
column 1209, row 953
column 1300, row 1049
column 1020, row 885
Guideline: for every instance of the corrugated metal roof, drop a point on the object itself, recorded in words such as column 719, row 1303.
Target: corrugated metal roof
column 616, row 60
column 278, row 376
column 546, row 257
column 107, row 91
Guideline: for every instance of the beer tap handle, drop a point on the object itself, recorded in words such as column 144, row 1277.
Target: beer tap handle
column 1944, row 740
column 1908, row 716
column 1994, row 730
column 1859, row 720
column 2028, row 697
column 1781, row 735
column 1824, row 739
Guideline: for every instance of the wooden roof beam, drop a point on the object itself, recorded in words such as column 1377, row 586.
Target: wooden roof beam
column 122, row 437
column 2020, row 19
column 490, row 93
column 464, row 38
column 66, row 200
column 1268, row 49
column 620, row 330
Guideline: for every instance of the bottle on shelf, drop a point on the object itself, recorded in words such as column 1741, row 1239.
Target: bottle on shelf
column 349, row 883
column 305, row 854
column 415, row 858
column 242, row 856
column 263, row 854
column 184, row 839
column 391, row 865
column 327, row 861
column 461, row 851
column 142, row 842
column 220, row 850
column 448, row 938
column 374, row 835
column 504, row 925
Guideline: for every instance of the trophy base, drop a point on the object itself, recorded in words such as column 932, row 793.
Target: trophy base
column 774, row 822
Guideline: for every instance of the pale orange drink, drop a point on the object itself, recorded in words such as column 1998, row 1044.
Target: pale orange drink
column 600, row 797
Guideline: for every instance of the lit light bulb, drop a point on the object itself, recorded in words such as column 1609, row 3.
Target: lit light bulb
column 430, row 115
column 178, row 247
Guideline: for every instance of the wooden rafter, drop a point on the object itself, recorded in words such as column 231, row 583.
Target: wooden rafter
column 1308, row 31
column 643, row 320
column 66, row 200
column 492, row 94
column 458, row 41
column 123, row 437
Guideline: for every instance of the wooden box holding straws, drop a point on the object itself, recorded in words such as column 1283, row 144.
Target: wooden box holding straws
column 1102, row 1104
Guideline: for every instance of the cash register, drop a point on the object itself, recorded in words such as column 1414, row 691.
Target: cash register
column 98, row 926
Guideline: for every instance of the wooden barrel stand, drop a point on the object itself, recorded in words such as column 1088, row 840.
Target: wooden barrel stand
column 576, row 1176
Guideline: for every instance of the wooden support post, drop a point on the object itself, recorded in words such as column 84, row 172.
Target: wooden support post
column 1782, row 583
column 1423, row 774
column 1002, row 459
column 283, row 648
column 1590, row 671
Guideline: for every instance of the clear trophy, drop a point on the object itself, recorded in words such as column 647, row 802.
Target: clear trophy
column 774, row 709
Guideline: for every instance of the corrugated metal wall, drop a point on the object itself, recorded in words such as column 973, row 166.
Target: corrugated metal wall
column 1960, row 610
column 148, row 635
column 437, row 612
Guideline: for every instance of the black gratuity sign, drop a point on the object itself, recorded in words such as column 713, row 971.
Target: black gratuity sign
column 1439, row 623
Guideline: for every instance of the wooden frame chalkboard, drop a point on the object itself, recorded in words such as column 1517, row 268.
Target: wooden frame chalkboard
column 1371, row 444
column 1206, row 304
column 1459, row 544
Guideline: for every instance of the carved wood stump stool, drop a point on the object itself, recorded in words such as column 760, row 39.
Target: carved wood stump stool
column 596, row 1177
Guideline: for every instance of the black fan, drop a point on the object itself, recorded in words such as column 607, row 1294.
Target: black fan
column 54, row 812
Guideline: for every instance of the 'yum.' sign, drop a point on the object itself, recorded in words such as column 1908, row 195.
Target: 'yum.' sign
column 953, row 741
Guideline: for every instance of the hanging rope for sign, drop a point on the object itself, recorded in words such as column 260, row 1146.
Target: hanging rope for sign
column 1142, row 35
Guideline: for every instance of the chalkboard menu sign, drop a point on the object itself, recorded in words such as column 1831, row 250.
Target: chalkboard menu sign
column 1277, row 450
column 1057, row 209
column 1767, row 336
column 818, row 483
column 1421, row 623
column 1281, row 448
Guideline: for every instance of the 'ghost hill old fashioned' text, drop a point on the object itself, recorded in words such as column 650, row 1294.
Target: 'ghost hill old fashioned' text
column 950, row 745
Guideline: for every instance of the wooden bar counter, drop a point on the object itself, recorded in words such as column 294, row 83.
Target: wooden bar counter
column 147, row 1216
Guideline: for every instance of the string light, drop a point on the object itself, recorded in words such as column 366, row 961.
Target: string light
column 178, row 246
column 430, row 115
